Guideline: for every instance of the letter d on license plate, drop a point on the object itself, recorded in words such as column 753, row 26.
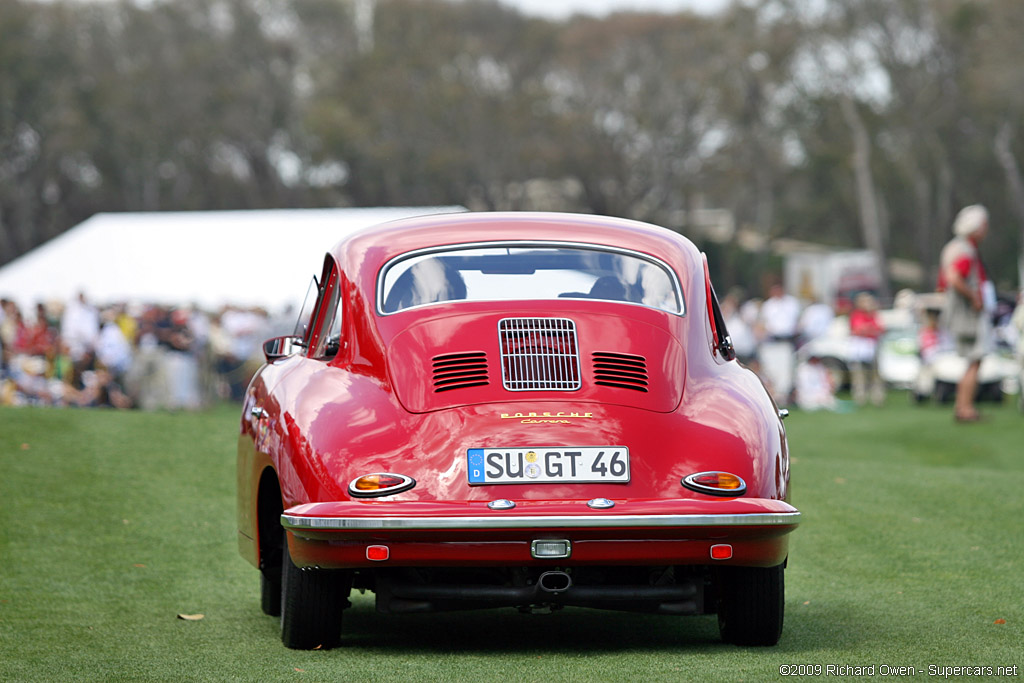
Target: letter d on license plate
column 548, row 465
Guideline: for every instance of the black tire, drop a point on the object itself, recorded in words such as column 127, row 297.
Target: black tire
column 751, row 604
column 271, row 542
column 270, row 573
column 270, row 592
column 312, row 602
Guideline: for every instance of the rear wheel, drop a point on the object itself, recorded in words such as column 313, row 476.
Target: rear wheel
column 751, row 604
column 270, row 574
column 312, row 601
column 270, row 592
column 271, row 540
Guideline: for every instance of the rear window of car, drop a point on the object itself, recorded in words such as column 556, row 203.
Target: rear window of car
column 527, row 272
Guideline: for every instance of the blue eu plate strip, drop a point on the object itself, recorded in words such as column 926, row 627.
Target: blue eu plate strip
column 476, row 466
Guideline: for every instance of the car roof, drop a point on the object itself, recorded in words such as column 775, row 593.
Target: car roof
column 368, row 249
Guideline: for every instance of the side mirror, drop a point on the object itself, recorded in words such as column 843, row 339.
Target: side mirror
column 281, row 347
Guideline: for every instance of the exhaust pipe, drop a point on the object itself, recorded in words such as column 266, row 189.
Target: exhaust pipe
column 554, row 582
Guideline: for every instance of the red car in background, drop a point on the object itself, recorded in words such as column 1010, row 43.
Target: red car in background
column 513, row 410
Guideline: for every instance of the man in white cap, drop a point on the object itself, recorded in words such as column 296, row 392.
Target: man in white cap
column 970, row 298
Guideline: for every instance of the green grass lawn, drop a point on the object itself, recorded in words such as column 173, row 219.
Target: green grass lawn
column 911, row 553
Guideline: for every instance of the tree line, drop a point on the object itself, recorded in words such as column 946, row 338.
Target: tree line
column 854, row 123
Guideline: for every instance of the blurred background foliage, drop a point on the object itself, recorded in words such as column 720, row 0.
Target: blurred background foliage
column 851, row 123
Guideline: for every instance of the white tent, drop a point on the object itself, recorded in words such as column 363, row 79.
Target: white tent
column 208, row 258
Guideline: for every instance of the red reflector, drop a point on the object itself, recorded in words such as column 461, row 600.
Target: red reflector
column 377, row 553
column 721, row 551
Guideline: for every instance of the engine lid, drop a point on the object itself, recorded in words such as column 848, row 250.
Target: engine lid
column 472, row 359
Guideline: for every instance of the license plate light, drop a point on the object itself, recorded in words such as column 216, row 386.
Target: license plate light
column 551, row 549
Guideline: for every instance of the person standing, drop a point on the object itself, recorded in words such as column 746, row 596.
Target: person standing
column 970, row 298
column 865, row 330
column 814, row 321
column 779, row 316
column 744, row 340
column 80, row 328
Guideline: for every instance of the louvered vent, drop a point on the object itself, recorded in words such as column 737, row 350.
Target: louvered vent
column 539, row 354
column 620, row 370
column 460, row 370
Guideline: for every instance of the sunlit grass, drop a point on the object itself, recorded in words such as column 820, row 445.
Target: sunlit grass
column 112, row 524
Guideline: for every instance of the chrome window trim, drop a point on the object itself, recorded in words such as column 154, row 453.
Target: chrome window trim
column 526, row 244
column 299, row 522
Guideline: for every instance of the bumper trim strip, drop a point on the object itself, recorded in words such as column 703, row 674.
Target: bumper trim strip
column 300, row 522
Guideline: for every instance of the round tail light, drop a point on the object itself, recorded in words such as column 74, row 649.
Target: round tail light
column 380, row 484
column 715, row 483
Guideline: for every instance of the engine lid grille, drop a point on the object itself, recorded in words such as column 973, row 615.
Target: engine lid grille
column 621, row 370
column 539, row 354
column 460, row 370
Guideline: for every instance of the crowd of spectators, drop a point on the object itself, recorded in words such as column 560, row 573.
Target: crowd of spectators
column 156, row 356
column 767, row 333
column 776, row 338
column 75, row 354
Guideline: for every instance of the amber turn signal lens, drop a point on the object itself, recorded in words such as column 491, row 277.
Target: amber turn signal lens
column 719, row 480
column 715, row 483
column 380, row 484
column 376, row 482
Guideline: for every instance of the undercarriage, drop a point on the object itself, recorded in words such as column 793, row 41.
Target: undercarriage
column 659, row 590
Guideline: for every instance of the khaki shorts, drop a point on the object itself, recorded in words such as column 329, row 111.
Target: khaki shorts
column 976, row 347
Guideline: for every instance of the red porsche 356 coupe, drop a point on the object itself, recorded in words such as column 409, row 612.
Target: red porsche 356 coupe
column 513, row 410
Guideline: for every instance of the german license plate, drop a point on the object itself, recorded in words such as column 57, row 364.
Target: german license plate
column 548, row 465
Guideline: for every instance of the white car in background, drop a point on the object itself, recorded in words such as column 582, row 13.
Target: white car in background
column 898, row 359
column 900, row 365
